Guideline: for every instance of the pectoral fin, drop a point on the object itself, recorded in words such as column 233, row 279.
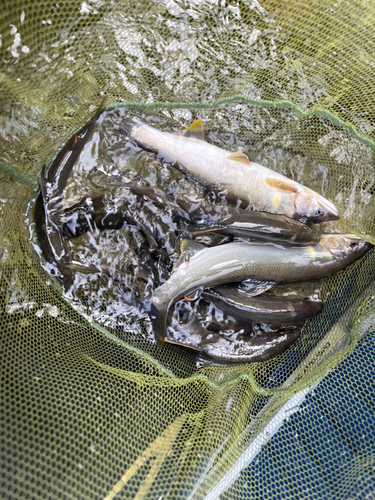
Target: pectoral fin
column 240, row 157
column 280, row 184
column 195, row 130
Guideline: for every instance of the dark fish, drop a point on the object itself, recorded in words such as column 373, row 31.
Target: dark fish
column 238, row 261
column 52, row 185
column 258, row 225
column 233, row 348
column 262, row 308
column 162, row 200
column 219, row 218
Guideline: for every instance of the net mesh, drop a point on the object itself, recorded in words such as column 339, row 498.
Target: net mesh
column 94, row 412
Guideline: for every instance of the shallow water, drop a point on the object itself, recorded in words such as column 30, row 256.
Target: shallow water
column 134, row 263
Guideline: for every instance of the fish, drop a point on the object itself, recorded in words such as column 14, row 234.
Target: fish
column 235, row 348
column 200, row 267
column 259, row 226
column 262, row 188
column 52, row 186
column 268, row 309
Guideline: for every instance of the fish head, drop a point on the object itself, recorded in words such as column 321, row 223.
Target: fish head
column 345, row 245
column 313, row 206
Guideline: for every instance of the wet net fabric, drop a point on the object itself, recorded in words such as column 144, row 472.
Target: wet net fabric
column 90, row 411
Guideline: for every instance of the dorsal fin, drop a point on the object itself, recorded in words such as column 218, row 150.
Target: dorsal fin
column 187, row 250
column 195, row 130
column 191, row 247
column 280, row 184
column 241, row 157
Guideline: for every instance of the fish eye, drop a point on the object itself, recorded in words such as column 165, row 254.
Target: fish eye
column 353, row 244
column 319, row 212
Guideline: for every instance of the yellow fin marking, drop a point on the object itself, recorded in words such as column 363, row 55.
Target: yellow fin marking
column 276, row 200
column 184, row 246
column 311, row 252
column 195, row 130
column 197, row 123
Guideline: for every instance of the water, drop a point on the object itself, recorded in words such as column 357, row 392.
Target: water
column 116, row 270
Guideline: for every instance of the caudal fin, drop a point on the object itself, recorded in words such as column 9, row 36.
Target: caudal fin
column 159, row 323
column 126, row 128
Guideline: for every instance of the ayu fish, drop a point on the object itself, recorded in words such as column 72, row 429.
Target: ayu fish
column 263, row 189
column 200, row 268
column 244, row 306
column 258, row 225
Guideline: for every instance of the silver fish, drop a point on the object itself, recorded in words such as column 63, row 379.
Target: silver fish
column 264, row 189
column 242, row 260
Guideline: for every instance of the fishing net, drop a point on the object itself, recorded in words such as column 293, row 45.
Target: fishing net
column 92, row 410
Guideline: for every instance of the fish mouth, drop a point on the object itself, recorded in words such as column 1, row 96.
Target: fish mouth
column 330, row 217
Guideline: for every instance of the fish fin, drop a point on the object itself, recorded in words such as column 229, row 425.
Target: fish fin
column 280, row 184
column 195, row 130
column 254, row 287
column 180, row 261
column 187, row 250
column 240, row 157
column 191, row 247
column 194, row 295
column 159, row 319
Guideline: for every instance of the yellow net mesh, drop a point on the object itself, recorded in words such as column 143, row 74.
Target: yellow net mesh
column 94, row 412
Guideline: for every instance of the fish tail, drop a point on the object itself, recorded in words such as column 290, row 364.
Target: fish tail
column 126, row 128
column 159, row 320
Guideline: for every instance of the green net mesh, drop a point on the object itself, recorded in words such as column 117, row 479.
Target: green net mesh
column 95, row 412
